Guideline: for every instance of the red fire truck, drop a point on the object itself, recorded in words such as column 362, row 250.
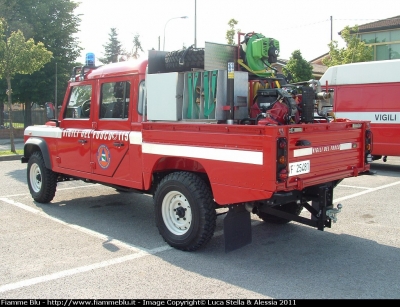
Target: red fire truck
column 203, row 130
column 369, row 91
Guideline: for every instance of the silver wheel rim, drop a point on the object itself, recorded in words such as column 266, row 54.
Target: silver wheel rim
column 35, row 176
column 176, row 213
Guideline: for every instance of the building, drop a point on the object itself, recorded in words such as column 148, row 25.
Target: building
column 318, row 67
column 383, row 36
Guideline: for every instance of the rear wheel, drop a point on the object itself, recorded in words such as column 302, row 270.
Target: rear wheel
column 42, row 181
column 292, row 208
column 185, row 212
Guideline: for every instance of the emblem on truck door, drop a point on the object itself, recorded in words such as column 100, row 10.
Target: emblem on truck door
column 103, row 156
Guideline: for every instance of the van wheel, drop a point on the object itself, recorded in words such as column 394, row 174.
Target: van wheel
column 42, row 182
column 185, row 60
column 292, row 208
column 374, row 158
column 184, row 211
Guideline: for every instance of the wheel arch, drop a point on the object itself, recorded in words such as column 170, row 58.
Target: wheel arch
column 166, row 165
column 37, row 144
column 223, row 192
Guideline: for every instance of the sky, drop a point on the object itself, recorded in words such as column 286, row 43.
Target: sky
column 303, row 25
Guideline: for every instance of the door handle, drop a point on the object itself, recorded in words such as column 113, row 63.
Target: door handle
column 118, row 144
column 82, row 141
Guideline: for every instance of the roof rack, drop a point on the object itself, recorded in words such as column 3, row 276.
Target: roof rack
column 80, row 71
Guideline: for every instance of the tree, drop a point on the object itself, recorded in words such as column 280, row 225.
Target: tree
column 19, row 56
column 298, row 67
column 230, row 34
column 53, row 23
column 356, row 51
column 136, row 47
column 112, row 49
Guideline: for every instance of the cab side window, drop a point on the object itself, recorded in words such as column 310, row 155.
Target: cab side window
column 114, row 101
column 142, row 100
column 79, row 102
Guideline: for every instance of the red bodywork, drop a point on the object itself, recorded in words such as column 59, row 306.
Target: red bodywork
column 240, row 161
column 378, row 103
column 369, row 91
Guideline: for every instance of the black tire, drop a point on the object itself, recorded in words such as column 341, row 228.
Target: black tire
column 42, row 181
column 184, row 60
column 292, row 208
column 374, row 158
column 184, row 210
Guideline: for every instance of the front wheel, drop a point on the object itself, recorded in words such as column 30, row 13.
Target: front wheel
column 185, row 211
column 292, row 208
column 42, row 181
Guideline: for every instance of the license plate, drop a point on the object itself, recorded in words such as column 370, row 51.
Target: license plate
column 297, row 168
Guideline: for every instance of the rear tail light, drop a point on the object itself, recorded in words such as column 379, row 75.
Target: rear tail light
column 281, row 159
column 368, row 146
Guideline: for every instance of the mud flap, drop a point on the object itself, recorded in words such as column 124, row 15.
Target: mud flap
column 237, row 228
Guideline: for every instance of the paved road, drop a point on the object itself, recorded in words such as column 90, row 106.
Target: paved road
column 93, row 242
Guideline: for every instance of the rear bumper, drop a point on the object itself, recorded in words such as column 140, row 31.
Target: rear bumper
column 299, row 183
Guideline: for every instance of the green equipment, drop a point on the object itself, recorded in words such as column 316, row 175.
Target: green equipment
column 257, row 53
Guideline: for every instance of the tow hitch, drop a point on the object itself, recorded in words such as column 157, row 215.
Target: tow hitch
column 237, row 223
column 331, row 213
column 321, row 209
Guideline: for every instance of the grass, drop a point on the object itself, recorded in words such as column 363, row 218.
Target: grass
column 15, row 124
column 8, row 152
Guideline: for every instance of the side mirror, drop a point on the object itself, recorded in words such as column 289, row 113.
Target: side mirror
column 49, row 110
